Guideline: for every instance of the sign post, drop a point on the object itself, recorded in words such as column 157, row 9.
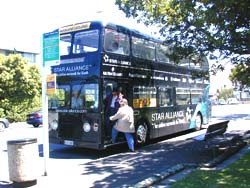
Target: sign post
column 50, row 56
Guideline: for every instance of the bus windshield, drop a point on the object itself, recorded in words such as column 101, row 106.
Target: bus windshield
column 83, row 42
column 83, row 96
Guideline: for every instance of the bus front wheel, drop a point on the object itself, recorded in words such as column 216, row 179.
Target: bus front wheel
column 141, row 134
column 198, row 122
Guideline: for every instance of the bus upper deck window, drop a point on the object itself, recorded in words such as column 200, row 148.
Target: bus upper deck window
column 65, row 44
column 86, row 41
column 162, row 53
column 116, row 42
column 142, row 48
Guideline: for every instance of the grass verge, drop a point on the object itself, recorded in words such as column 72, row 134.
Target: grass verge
column 235, row 175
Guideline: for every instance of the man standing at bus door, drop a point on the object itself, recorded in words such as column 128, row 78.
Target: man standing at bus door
column 111, row 103
column 124, row 123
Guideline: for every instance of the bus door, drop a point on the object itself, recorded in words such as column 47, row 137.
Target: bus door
column 122, row 87
column 108, row 87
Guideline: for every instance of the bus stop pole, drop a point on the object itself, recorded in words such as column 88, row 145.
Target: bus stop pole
column 50, row 56
column 45, row 125
column 45, row 115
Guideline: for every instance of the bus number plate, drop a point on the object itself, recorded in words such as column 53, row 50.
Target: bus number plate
column 68, row 142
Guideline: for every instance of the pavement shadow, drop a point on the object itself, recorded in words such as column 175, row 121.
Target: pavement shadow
column 5, row 184
column 68, row 152
column 127, row 168
column 233, row 117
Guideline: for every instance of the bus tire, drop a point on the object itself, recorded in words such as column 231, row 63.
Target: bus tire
column 141, row 134
column 198, row 122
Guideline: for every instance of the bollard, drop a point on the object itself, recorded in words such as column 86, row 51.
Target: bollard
column 23, row 159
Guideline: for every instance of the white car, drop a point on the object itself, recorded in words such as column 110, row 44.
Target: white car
column 233, row 101
column 4, row 123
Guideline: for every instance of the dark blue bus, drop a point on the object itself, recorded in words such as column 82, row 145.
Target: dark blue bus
column 96, row 58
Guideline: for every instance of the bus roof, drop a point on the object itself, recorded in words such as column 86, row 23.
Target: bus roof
column 98, row 24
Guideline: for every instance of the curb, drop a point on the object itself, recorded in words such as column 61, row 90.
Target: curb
column 156, row 178
column 228, row 153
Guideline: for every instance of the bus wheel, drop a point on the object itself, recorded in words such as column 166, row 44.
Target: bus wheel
column 141, row 134
column 198, row 122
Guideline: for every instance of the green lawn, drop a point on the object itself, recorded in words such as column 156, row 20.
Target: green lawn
column 236, row 175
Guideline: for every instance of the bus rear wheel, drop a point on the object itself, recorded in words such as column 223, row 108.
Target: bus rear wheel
column 198, row 122
column 141, row 134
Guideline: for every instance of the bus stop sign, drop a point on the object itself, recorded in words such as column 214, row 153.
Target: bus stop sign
column 51, row 48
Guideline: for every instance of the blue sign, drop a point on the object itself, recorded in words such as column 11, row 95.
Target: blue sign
column 51, row 54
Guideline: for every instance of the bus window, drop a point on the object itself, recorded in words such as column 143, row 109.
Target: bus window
column 116, row 42
column 195, row 63
column 144, row 97
column 197, row 95
column 91, row 96
column 84, row 96
column 143, row 48
column 86, row 41
column 108, row 86
column 65, row 44
column 58, row 99
column 182, row 96
column 165, row 97
column 184, row 63
column 77, row 97
column 161, row 53
column 199, row 63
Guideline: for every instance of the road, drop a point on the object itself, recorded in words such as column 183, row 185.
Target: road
column 115, row 167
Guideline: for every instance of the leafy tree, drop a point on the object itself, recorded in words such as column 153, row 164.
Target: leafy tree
column 240, row 74
column 198, row 26
column 226, row 93
column 20, row 87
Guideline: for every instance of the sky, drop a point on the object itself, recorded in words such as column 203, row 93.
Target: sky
column 24, row 21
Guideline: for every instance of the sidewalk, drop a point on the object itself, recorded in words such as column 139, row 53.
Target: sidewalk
column 77, row 176
column 179, row 171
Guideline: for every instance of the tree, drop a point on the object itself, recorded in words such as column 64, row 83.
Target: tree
column 226, row 93
column 20, row 87
column 240, row 75
column 198, row 26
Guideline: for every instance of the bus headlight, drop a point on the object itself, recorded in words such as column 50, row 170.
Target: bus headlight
column 54, row 125
column 86, row 127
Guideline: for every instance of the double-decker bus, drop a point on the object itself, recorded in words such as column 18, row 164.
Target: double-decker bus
column 96, row 58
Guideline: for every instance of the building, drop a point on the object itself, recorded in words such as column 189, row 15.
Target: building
column 32, row 56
